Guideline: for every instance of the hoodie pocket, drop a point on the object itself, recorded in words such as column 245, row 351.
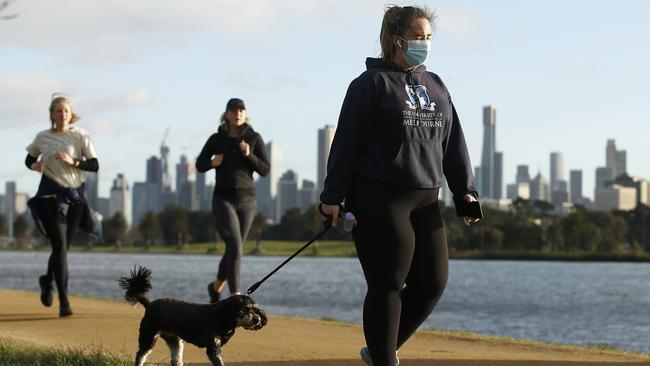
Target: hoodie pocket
column 418, row 163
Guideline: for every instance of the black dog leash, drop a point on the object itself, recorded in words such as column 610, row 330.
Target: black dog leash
column 327, row 224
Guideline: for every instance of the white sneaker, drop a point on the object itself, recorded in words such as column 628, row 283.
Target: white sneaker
column 365, row 356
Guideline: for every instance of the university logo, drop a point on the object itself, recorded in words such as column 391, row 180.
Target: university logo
column 418, row 97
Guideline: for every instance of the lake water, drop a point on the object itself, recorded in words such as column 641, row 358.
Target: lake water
column 565, row 302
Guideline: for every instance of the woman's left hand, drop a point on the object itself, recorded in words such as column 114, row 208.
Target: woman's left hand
column 64, row 157
column 245, row 148
column 470, row 220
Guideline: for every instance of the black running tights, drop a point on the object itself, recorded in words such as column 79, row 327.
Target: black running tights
column 60, row 230
column 234, row 217
column 402, row 248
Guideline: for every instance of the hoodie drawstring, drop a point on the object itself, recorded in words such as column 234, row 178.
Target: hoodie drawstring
column 409, row 80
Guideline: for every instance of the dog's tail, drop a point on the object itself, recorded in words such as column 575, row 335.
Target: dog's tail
column 137, row 286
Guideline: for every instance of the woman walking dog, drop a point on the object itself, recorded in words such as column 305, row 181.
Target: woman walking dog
column 61, row 154
column 234, row 152
column 398, row 138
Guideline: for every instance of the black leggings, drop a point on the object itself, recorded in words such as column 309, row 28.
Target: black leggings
column 402, row 248
column 234, row 217
column 60, row 230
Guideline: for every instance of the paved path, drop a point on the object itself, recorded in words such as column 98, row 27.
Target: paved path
column 284, row 341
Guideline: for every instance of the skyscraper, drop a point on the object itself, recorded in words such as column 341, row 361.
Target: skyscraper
column 521, row 187
column 154, row 170
column 561, row 194
column 325, row 137
column 204, row 197
column 497, row 187
column 146, row 197
column 610, row 155
column 155, row 179
column 557, row 170
column 488, row 155
column 120, row 199
column 307, row 194
column 575, row 177
column 518, row 190
column 522, row 174
column 185, row 185
column 267, row 187
column 539, row 189
column 603, row 176
column 287, row 193
column 621, row 162
column 164, row 159
column 640, row 185
column 158, row 173
column 615, row 160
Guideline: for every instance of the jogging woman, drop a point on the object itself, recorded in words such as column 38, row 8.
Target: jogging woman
column 61, row 154
column 234, row 152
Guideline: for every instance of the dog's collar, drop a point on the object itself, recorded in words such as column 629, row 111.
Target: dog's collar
column 227, row 336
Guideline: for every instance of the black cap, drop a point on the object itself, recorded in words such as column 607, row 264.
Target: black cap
column 235, row 103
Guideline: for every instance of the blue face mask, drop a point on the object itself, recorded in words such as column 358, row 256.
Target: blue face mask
column 417, row 52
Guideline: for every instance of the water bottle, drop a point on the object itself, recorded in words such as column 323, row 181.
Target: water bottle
column 348, row 221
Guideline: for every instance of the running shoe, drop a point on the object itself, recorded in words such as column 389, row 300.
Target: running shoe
column 46, row 291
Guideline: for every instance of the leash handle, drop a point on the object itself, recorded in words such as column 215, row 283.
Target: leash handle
column 329, row 218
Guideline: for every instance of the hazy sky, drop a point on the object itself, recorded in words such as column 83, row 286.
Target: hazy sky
column 563, row 75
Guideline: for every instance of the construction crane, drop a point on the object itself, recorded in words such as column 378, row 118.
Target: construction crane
column 162, row 143
column 164, row 157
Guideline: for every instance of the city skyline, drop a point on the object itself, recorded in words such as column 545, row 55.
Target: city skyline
column 157, row 174
column 280, row 190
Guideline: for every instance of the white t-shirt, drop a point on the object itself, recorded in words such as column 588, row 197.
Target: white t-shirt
column 75, row 142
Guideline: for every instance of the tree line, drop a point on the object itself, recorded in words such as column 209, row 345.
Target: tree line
column 176, row 226
column 529, row 227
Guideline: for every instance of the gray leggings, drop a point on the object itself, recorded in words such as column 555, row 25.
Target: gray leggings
column 234, row 217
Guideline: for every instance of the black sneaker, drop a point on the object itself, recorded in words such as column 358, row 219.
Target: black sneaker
column 65, row 310
column 214, row 295
column 46, row 291
column 365, row 356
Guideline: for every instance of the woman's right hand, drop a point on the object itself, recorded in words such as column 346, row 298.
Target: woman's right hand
column 331, row 210
column 218, row 159
column 38, row 166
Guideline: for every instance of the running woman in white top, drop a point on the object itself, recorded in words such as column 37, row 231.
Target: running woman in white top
column 61, row 154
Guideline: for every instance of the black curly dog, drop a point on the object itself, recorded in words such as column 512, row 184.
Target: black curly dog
column 204, row 325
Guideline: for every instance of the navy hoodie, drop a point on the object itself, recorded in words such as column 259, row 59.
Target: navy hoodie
column 398, row 126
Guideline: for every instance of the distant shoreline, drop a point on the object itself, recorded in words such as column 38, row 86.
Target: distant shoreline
column 341, row 249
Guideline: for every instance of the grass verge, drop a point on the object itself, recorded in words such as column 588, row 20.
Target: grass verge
column 326, row 248
column 601, row 348
column 23, row 355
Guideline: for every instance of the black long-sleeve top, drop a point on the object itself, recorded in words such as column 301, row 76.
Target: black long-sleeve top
column 398, row 126
column 235, row 174
column 89, row 165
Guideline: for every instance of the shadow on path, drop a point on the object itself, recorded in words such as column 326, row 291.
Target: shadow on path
column 406, row 362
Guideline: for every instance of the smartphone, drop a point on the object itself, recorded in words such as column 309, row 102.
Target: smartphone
column 471, row 209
